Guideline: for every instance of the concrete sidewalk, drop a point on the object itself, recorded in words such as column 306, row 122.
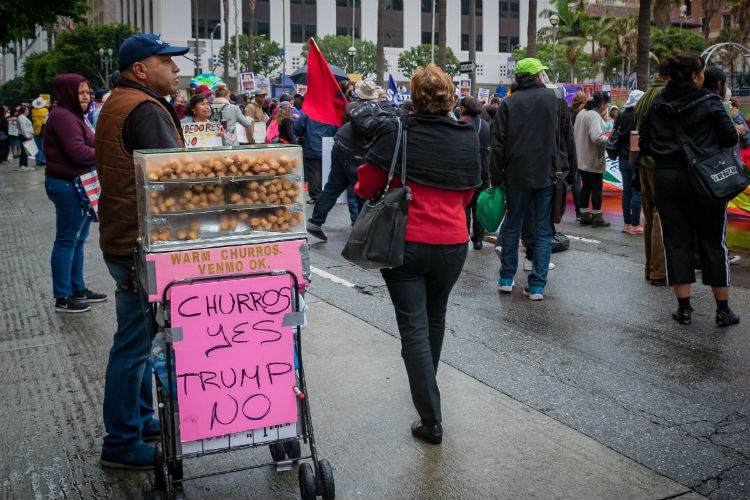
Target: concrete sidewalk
column 52, row 366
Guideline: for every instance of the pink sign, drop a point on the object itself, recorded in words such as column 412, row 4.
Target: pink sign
column 235, row 362
column 223, row 261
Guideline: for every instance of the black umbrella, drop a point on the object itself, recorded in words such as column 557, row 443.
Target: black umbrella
column 300, row 76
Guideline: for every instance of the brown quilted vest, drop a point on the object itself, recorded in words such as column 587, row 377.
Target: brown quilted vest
column 118, row 207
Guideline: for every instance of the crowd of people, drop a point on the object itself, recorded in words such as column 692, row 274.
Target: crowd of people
column 454, row 149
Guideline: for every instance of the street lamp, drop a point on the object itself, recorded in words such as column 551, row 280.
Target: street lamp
column 352, row 52
column 554, row 20
column 211, row 64
column 105, row 63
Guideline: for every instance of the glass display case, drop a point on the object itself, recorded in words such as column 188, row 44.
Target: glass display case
column 190, row 198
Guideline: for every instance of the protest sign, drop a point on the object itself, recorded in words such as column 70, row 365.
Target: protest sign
column 263, row 83
column 259, row 133
column 301, row 88
column 465, row 87
column 248, row 81
column 235, row 362
column 202, row 134
column 483, row 95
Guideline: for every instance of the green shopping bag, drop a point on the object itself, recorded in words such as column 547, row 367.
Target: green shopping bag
column 491, row 208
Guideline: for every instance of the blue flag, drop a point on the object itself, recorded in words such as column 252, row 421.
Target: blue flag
column 393, row 95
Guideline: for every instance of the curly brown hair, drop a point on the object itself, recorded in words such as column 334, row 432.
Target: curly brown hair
column 432, row 91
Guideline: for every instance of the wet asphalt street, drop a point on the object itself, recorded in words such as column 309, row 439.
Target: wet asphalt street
column 598, row 371
column 600, row 353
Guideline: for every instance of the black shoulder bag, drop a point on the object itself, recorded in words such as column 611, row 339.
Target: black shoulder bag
column 613, row 141
column 378, row 237
column 560, row 193
column 714, row 174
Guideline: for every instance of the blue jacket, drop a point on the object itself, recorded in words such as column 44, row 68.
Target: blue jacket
column 313, row 135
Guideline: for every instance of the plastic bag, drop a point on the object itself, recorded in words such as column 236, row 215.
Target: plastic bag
column 491, row 208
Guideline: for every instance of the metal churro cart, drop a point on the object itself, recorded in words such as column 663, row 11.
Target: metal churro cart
column 223, row 259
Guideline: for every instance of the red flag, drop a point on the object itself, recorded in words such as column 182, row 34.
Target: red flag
column 324, row 101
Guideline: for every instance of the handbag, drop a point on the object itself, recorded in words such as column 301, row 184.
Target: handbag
column 378, row 237
column 714, row 174
column 613, row 141
column 491, row 208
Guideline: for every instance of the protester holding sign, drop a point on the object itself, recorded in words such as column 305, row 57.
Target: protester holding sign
column 69, row 150
column 199, row 131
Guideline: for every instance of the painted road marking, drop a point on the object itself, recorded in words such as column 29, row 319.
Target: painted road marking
column 580, row 238
column 329, row 276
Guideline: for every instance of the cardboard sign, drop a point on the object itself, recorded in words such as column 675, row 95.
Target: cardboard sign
column 240, row 133
column 235, row 362
column 465, row 87
column 248, row 81
column 263, row 83
column 202, row 134
column 301, row 88
column 483, row 95
column 259, row 133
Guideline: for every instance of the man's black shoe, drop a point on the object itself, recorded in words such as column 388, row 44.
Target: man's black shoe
column 71, row 305
column 430, row 433
column 478, row 245
column 726, row 318
column 316, row 231
column 683, row 317
column 89, row 296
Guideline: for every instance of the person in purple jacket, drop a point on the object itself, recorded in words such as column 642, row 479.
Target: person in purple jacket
column 69, row 148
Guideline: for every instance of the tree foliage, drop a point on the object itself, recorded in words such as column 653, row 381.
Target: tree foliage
column 266, row 58
column 19, row 18
column 419, row 57
column 336, row 51
column 672, row 41
column 12, row 94
column 585, row 70
column 75, row 51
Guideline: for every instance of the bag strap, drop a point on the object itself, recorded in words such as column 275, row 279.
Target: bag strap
column 396, row 149
column 558, row 161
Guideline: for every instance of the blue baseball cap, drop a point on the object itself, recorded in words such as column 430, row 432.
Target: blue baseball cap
column 139, row 47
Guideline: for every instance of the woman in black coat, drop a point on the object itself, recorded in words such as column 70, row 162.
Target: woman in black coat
column 685, row 222
column 4, row 139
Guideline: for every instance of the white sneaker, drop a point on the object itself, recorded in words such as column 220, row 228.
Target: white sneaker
column 499, row 252
column 527, row 265
column 735, row 259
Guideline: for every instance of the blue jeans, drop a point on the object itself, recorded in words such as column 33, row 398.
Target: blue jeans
column 40, row 145
column 70, row 237
column 128, row 402
column 517, row 200
column 631, row 199
column 342, row 177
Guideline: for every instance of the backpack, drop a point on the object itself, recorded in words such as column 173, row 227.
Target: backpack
column 272, row 135
column 217, row 114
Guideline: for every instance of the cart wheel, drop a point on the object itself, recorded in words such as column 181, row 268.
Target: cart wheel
column 325, row 481
column 307, row 482
column 277, row 452
column 293, row 449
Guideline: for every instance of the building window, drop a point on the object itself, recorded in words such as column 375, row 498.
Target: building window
column 465, row 7
column 393, row 33
column 302, row 16
column 262, row 18
column 427, row 35
column 296, row 63
column 507, row 43
column 394, row 5
column 208, row 17
column 480, row 69
column 344, row 18
column 465, row 42
column 427, row 6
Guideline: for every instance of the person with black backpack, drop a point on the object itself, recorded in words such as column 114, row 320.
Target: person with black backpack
column 470, row 111
column 631, row 190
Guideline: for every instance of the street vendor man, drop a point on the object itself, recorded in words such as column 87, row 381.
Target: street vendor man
column 136, row 116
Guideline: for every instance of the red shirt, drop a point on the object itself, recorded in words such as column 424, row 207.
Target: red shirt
column 436, row 216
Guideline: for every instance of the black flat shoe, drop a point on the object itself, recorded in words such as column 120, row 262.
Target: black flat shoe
column 683, row 317
column 726, row 318
column 430, row 433
column 478, row 245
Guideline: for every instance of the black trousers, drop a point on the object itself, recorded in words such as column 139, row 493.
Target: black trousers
column 592, row 187
column 686, row 224
column 314, row 176
column 419, row 291
column 475, row 228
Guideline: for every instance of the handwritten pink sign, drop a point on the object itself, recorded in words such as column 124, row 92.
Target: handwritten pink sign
column 235, row 362
column 223, row 261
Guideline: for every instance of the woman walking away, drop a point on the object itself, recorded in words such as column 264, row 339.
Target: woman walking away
column 590, row 140
column 25, row 133
column 685, row 221
column 69, row 150
column 442, row 170
column 631, row 192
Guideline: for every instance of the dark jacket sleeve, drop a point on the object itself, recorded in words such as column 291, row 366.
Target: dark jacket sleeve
column 301, row 126
column 568, row 142
column 71, row 138
column 497, row 160
column 148, row 127
column 726, row 133
column 286, row 130
column 484, row 148
column 644, row 134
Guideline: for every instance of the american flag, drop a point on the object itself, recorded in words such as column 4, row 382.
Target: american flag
column 89, row 189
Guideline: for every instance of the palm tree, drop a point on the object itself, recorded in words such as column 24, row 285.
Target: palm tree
column 598, row 32
column 644, row 35
column 380, row 51
column 740, row 10
column 662, row 13
column 626, row 34
column 442, row 28
column 531, row 30
column 711, row 8
column 251, row 34
column 571, row 33
column 225, row 4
